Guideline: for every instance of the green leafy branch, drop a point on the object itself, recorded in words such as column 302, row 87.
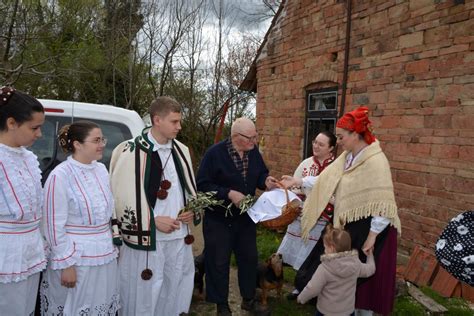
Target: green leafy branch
column 197, row 204
column 245, row 204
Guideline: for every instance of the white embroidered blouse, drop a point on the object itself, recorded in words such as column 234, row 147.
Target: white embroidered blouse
column 21, row 245
column 78, row 208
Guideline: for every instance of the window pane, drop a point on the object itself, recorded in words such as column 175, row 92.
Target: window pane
column 44, row 146
column 322, row 101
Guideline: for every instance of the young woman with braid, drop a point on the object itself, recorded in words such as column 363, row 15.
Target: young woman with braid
column 22, row 255
column 81, row 278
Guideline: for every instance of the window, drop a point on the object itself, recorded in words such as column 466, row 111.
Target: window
column 50, row 155
column 321, row 115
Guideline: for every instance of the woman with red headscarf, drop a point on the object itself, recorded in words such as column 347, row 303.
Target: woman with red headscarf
column 361, row 181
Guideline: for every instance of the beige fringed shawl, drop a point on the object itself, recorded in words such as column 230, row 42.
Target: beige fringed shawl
column 365, row 189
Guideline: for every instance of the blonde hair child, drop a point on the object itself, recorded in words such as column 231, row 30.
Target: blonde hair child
column 335, row 280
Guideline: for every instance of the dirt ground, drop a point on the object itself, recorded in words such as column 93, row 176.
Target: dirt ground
column 199, row 306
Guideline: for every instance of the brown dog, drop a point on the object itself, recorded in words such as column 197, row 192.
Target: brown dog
column 270, row 276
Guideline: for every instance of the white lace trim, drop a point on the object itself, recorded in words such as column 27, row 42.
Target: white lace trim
column 90, row 187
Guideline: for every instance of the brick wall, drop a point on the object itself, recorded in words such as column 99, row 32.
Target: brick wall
column 412, row 64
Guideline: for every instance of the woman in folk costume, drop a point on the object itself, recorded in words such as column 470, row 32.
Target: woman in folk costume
column 81, row 278
column 361, row 181
column 152, row 180
column 22, row 254
column 293, row 248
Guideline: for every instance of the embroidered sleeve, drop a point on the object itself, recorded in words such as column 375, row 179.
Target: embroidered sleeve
column 63, row 250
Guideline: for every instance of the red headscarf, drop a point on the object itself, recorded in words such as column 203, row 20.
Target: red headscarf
column 358, row 121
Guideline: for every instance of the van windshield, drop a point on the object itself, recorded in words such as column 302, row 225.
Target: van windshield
column 50, row 155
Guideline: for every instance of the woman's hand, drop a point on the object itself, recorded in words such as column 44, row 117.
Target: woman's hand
column 289, row 181
column 186, row 217
column 369, row 243
column 68, row 277
column 166, row 224
column 271, row 182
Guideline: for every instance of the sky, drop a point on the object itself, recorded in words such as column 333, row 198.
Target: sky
column 249, row 16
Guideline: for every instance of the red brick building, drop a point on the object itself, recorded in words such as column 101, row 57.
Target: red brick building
column 410, row 62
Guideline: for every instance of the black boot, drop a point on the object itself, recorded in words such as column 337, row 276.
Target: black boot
column 254, row 307
column 223, row 310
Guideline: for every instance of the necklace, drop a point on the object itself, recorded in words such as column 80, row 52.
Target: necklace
column 161, row 194
column 165, row 185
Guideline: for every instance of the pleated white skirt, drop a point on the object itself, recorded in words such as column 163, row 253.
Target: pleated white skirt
column 96, row 292
column 19, row 298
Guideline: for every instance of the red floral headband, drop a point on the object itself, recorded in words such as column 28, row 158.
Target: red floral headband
column 358, row 121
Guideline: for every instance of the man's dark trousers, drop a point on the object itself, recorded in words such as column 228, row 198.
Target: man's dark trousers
column 222, row 236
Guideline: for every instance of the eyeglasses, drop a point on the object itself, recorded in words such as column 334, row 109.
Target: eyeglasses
column 249, row 138
column 97, row 141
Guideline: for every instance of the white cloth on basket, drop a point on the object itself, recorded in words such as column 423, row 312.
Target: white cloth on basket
column 270, row 204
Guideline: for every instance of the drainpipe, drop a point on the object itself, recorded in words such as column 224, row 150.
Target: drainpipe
column 346, row 57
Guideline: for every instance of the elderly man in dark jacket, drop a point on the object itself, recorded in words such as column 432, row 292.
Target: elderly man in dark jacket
column 233, row 168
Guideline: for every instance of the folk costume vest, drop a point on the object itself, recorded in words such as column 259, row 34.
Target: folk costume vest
column 134, row 192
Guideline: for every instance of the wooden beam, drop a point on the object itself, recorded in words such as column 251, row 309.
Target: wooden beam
column 426, row 301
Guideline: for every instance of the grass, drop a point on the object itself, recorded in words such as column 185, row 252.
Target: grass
column 268, row 242
column 455, row 306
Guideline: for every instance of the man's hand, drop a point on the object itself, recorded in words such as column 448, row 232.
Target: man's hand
column 166, row 224
column 289, row 181
column 235, row 197
column 271, row 182
column 68, row 277
column 186, row 217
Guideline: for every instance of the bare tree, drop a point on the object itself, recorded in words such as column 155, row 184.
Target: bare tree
column 165, row 28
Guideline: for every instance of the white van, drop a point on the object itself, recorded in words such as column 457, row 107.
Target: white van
column 117, row 125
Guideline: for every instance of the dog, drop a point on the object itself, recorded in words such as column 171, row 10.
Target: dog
column 270, row 276
column 199, row 270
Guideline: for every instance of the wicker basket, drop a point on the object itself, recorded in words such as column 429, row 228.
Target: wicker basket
column 289, row 213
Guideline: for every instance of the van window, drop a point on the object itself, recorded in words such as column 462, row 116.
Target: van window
column 50, row 154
